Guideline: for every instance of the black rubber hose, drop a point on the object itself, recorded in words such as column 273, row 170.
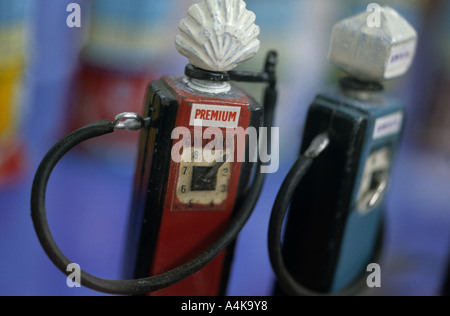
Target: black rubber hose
column 280, row 207
column 124, row 287
column 145, row 285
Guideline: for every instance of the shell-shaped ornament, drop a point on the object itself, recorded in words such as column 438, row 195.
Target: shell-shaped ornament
column 218, row 35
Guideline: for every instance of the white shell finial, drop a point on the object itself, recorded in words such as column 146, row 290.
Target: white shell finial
column 218, row 35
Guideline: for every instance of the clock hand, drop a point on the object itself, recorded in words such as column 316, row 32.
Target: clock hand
column 216, row 168
column 212, row 171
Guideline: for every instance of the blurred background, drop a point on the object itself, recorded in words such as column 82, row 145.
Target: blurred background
column 55, row 78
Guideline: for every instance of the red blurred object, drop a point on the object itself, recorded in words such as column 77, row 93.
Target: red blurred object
column 11, row 149
column 12, row 164
column 101, row 94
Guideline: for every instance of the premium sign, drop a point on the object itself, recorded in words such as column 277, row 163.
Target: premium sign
column 215, row 116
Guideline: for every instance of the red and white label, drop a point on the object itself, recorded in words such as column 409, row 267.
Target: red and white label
column 215, row 116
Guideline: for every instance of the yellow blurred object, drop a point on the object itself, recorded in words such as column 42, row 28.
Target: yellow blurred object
column 12, row 45
column 10, row 87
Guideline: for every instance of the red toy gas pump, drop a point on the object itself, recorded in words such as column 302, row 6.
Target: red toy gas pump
column 197, row 155
column 182, row 204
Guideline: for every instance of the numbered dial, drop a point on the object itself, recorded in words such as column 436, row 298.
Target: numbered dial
column 204, row 176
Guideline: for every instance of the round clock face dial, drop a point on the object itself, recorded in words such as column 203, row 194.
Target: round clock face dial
column 204, row 176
